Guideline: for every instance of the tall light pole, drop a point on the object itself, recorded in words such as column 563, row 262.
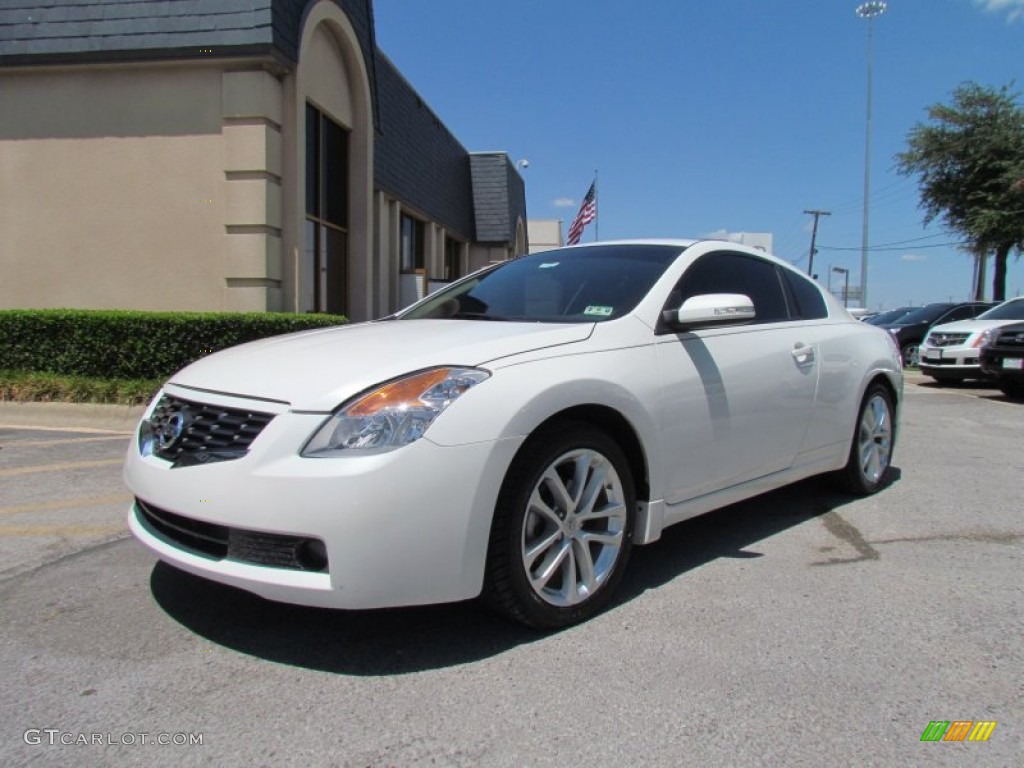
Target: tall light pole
column 869, row 11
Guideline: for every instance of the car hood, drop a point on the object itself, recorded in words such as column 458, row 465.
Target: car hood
column 969, row 326
column 318, row 370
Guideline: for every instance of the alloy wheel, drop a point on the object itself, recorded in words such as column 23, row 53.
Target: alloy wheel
column 874, row 438
column 573, row 527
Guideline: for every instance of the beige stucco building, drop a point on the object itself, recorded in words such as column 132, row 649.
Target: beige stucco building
column 256, row 155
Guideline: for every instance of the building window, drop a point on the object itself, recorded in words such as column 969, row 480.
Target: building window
column 327, row 174
column 412, row 244
column 452, row 259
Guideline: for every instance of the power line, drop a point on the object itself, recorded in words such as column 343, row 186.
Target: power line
column 886, row 248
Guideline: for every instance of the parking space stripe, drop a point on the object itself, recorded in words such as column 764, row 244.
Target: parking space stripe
column 31, row 470
column 61, row 530
column 80, row 502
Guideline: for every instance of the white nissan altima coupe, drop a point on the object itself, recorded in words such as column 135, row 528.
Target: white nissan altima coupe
column 513, row 435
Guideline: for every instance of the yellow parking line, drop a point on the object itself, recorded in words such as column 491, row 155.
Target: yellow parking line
column 80, row 502
column 59, row 467
column 65, row 441
column 60, row 530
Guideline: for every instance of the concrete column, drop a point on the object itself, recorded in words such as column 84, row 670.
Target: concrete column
column 253, row 168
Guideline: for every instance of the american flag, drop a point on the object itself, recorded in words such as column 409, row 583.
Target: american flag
column 588, row 212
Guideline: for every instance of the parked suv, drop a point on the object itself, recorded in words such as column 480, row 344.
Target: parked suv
column 950, row 351
column 1002, row 358
column 910, row 330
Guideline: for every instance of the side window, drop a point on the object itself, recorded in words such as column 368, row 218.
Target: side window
column 724, row 272
column 807, row 296
column 957, row 313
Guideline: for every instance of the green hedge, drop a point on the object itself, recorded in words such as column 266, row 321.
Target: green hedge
column 120, row 344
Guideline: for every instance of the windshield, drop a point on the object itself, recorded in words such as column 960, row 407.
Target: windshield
column 586, row 284
column 1011, row 310
column 927, row 314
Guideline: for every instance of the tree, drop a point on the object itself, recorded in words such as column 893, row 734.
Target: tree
column 970, row 166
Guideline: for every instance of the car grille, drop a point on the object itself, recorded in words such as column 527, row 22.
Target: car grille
column 188, row 433
column 222, row 542
column 946, row 339
column 1013, row 339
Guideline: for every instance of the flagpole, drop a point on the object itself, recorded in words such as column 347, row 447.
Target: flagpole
column 597, row 208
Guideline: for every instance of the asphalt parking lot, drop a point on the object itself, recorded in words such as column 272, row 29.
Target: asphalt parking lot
column 801, row 628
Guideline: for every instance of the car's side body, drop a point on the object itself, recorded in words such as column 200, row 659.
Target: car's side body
column 706, row 416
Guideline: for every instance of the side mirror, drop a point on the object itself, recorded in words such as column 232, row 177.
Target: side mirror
column 710, row 310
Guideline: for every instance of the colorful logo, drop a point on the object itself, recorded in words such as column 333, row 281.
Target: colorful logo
column 958, row 730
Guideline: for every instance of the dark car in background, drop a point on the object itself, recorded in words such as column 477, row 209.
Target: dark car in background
column 910, row 330
column 1002, row 358
column 883, row 319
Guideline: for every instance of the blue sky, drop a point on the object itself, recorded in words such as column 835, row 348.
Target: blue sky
column 732, row 115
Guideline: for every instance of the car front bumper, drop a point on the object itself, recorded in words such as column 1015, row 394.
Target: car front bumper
column 946, row 362
column 1005, row 364
column 405, row 527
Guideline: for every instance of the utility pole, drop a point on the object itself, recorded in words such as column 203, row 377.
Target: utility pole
column 814, row 236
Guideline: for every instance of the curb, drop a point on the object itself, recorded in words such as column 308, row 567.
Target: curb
column 91, row 416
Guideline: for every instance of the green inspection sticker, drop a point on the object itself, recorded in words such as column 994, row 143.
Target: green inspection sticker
column 594, row 309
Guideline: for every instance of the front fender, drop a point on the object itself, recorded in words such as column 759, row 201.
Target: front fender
column 518, row 398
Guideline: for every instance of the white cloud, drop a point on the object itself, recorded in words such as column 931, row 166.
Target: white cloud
column 913, row 257
column 564, row 202
column 1014, row 9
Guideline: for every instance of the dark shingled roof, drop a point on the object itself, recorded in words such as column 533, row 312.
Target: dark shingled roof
column 45, row 29
column 417, row 159
column 498, row 197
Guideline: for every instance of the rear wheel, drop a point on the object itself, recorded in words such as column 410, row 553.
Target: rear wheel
column 868, row 465
column 563, row 528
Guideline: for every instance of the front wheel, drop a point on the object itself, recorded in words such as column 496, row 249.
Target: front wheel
column 562, row 529
column 869, row 462
column 911, row 354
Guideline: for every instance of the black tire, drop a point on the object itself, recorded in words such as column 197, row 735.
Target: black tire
column 582, row 572
column 869, row 463
column 1014, row 389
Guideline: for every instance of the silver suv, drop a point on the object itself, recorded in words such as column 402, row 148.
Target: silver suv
column 951, row 351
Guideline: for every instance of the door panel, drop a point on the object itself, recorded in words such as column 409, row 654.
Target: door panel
column 736, row 404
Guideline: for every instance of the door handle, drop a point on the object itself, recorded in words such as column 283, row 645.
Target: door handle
column 803, row 354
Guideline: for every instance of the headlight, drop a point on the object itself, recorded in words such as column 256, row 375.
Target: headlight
column 987, row 337
column 393, row 414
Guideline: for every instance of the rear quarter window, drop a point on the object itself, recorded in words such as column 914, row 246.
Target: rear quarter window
column 809, row 304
